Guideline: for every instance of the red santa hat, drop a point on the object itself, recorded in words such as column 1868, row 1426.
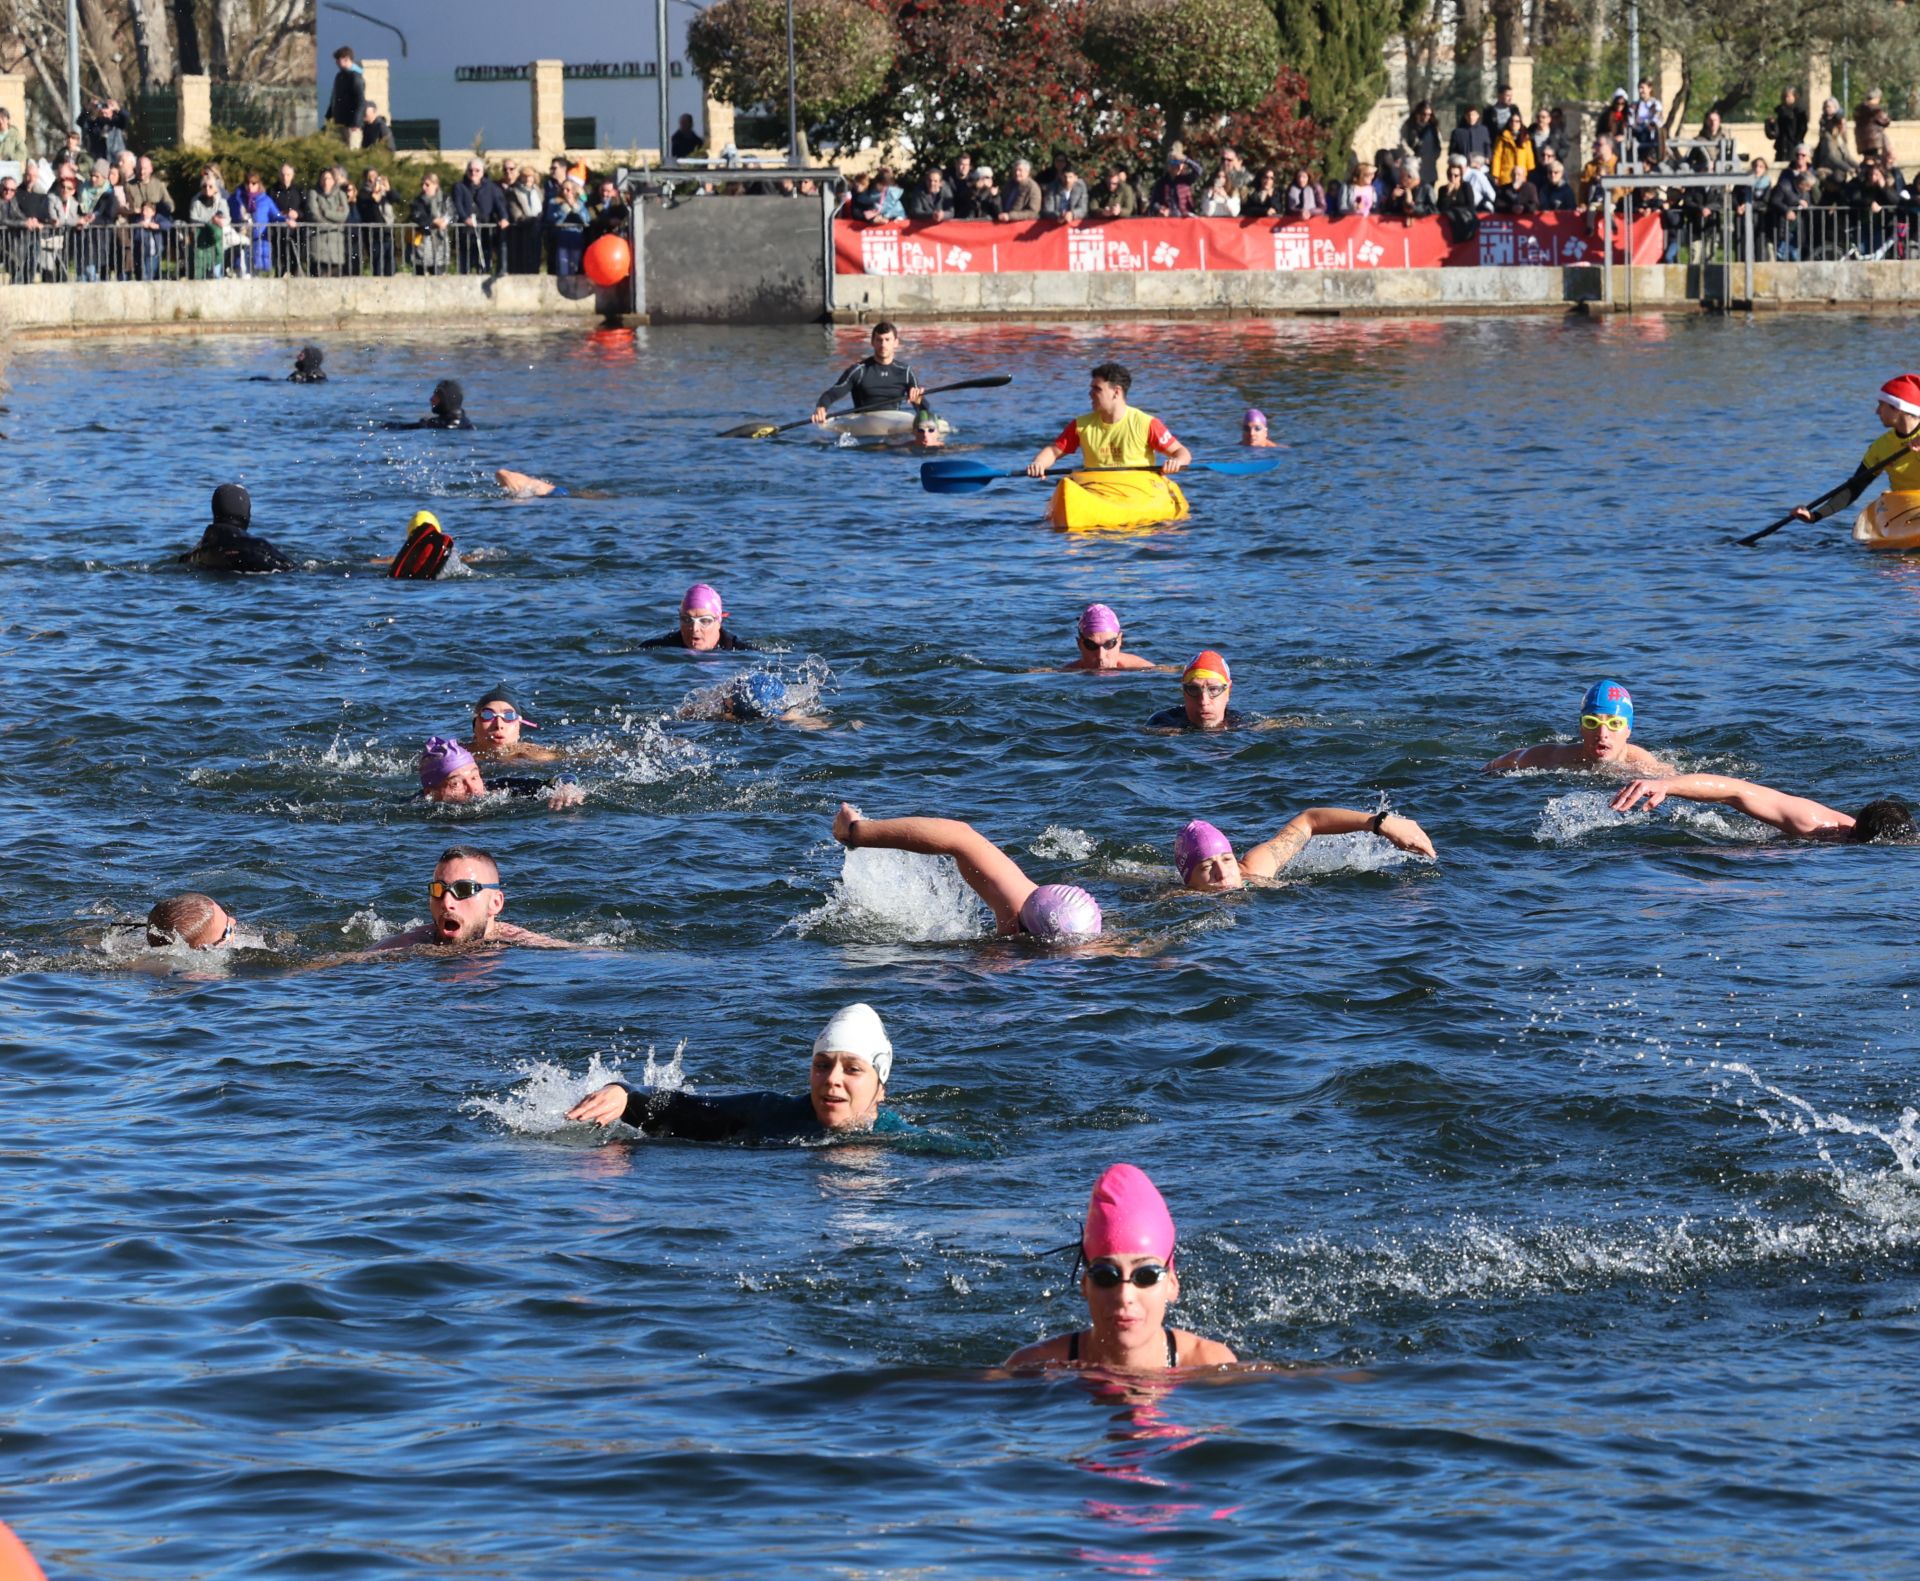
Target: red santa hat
column 1902, row 393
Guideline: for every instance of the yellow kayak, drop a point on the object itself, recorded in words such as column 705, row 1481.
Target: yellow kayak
column 1890, row 522
column 1084, row 501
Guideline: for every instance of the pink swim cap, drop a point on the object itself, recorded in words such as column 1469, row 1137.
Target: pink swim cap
column 1127, row 1217
column 1099, row 621
column 1057, row 910
column 1195, row 844
column 701, row 600
column 440, row 759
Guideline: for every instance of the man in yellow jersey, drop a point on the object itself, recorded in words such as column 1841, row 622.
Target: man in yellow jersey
column 1113, row 434
column 1893, row 452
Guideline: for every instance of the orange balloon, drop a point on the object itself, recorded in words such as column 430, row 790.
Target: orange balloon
column 608, row 260
column 16, row 1564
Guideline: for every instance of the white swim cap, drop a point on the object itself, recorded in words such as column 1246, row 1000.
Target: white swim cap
column 857, row 1030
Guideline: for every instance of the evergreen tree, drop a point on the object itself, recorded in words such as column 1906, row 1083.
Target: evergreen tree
column 1340, row 46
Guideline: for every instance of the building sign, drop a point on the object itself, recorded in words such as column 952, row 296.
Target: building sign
column 573, row 71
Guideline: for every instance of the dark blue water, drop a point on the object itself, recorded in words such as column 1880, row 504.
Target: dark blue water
column 1570, row 1180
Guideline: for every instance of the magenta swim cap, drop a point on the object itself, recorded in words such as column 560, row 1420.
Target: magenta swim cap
column 440, row 759
column 1196, row 843
column 1057, row 910
column 1127, row 1217
column 1099, row 621
column 702, row 600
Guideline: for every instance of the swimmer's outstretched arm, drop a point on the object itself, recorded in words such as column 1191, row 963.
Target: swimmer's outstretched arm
column 1789, row 814
column 602, row 1107
column 990, row 873
column 1507, row 762
column 1267, row 858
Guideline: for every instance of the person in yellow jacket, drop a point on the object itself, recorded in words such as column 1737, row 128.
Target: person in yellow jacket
column 1512, row 149
column 1896, row 452
column 1113, row 434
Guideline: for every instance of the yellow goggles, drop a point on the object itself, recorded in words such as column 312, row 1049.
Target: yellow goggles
column 1603, row 721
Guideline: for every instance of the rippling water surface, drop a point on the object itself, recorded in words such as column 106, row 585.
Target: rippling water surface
column 1571, row 1177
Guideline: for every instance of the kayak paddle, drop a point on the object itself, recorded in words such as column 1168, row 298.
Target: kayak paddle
column 1771, row 528
column 1767, row 531
column 956, row 475
column 768, row 430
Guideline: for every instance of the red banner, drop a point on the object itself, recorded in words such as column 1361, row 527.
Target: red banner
column 1154, row 246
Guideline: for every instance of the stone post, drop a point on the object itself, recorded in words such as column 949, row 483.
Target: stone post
column 1818, row 90
column 379, row 90
column 549, row 107
column 1517, row 72
column 1667, row 77
column 718, row 121
column 196, row 112
column 13, row 99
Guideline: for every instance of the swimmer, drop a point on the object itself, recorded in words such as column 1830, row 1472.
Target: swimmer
column 852, row 1060
column 1113, row 434
column 1606, row 720
column 1206, row 688
column 1883, row 822
column 466, row 899
column 447, row 408
column 307, row 367
column 877, row 383
column 448, row 773
column 1101, row 643
column 1205, row 856
column 497, row 723
column 427, row 555
column 198, row 921
column 1128, row 1282
column 229, row 544
column 753, row 697
column 1896, row 452
column 1253, row 430
column 701, row 626
column 927, row 434
column 1045, row 911
column 524, row 486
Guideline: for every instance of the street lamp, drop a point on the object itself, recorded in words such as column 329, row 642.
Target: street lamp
column 793, row 122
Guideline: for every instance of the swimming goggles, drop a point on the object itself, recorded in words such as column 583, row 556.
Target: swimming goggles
column 1091, row 642
column 459, row 888
column 226, row 938
column 1603, row 721
column 506, row 716
column 1206, row 689
column 699, row 620
column 1109, row 1276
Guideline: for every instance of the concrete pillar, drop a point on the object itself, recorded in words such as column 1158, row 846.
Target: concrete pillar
column 1517, row 72
column 1667, row 77
column 196, row 111
column 717, row 120
column 549, row 107
column 1818, row 90
column 13, row 98
column 379, row 89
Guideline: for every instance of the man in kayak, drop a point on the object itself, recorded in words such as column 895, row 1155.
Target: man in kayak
column 1113, row 434
column 1205, row 856
column 1606, row 720
column 448, row 773
column 1885, row 821
column 852, row 1059
column 497, row 723
column 466, row 899
column 700, row 629
column 1044, row 911
column 877, row 383
column 1896, row 452
column 1102, row 643
column 1206, row 686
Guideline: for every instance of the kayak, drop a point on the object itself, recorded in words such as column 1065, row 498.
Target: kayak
column 1088, row 501
column 888, row 424
column 1890, row 522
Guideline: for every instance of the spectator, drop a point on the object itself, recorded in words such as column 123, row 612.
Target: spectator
column 1484, row 196
column 928, row 202
column 1519, row 195
column 328, row 210
column 892, row 210
column 1603, row 163
column 375, row 130
column 980, row 198
column 1454, row 203
column 1365, row 197
column 526, row 211
column 685, row 142
column 1114, row 198
column 1172, row 197
column 1787, row 126
column 1512, row 152
column 1420, row 136
column 1712, row 130
column 70, row 151
column 1870, row 123
column 479, row 216
column 373, row 213
column 291, row 199
column 1791, row 195
column 1550, row 180
column 1649, row 123
column 102, row 211
column 13, row 147
column 1411, row 198
column 1616, row 120
column 1470, row 137
column 1239, row 178
column 1220, row 201
column 1066, row 196
column 1546, row 139
column 1830, row 154
column 862, row 201
column 1305, row 197
column 1873, row 202
column 1503, row 112
column 256, row 212
column 105, row 126
column 347, row 108
column 1266, row 201
column 1020, row 197
column 207, row 214
column 566, row 226
column 63, row 220
column 959, row 177
column 432, row 218
column 145, row 191
column 612, row 215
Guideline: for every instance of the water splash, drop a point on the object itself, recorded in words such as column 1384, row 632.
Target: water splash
column 367, row 926
column 1062, row 845
column 894, row 896
column 538, row 1105
column 1568, row 819
column 1350, row 853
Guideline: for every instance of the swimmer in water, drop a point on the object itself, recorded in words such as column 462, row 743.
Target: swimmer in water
column 497, row 723
column 749, row 698
column 1044, row 911
column 1883, row 822
column 448, row 773
column 428, row 554
column 229, row 543
column 307, row 367
column 1606, row 720
column 1128, row 1282
column 852, row 1060
column 198, row 921
column 447, row 408
column 1253, row 430
column 466, row 899
column 1205, row 856
column 1102, row 644
column 1206, row 688
column 702, row 628
column 927, row 434
column 524, row 486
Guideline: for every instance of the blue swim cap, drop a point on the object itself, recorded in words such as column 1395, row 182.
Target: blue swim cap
column 1608, row 697
column 758, row 696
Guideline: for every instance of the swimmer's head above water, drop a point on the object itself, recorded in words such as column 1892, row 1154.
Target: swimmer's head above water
column 1606, row 720
column 198, row 921
column 926, row 430
column 448, row 771
column 1060, row 911
column 498, row 721
column 1205, row 858
column 852, row 1059
column 448, row 400
column 756, row 695
column 232, row 505
column 1206, row 687
column 701, row 615
column 1099, row 637
column 465, row 895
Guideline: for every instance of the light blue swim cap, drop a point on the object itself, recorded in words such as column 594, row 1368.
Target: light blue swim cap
column 758, row 696
column 1608, row 697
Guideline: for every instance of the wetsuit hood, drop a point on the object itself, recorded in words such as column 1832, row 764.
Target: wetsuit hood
column 232, row 505
column 449, row 400
column 309, row 360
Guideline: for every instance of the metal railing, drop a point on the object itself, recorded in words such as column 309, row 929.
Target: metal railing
column 1804, row 235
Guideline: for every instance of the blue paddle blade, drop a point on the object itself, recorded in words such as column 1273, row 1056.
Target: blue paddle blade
column 957, row 475
column 1252, row 467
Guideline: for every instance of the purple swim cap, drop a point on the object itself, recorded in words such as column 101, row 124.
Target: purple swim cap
column 701, row 600
column 1195, row 844
column 1099, row 621
column 1056, row 911
column 1255, row 418
column 440, row 759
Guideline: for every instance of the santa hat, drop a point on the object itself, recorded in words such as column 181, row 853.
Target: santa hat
column 1902, row 393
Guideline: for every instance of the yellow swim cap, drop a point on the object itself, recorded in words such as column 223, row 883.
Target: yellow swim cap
column 422, row 520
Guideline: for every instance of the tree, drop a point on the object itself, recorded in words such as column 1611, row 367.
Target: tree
column 843, row 50
column 1188, row 57
column 1339, row 46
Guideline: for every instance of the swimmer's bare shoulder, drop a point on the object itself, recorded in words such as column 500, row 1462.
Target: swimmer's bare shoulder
column 1639, row 761
column 1548, row 755
column 1196, row 1350
column 1047, row 1353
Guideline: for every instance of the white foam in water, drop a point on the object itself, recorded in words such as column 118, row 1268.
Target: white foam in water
column 367, row 926
column 896, row 895
column 538, row 1105
column 1570, row 818
column 1348, row 853
column 805, row 684
column 1063, row 845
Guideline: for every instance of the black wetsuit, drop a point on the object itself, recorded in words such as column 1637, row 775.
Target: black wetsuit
column 728, row 643
column 520, row 785
column 737, row 1117
column 449, row 405
column 874, row 388
column 307, row 367
column 1176, row 719
column 227, row 544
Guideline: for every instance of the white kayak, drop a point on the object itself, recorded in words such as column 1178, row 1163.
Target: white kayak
column 889, row 424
